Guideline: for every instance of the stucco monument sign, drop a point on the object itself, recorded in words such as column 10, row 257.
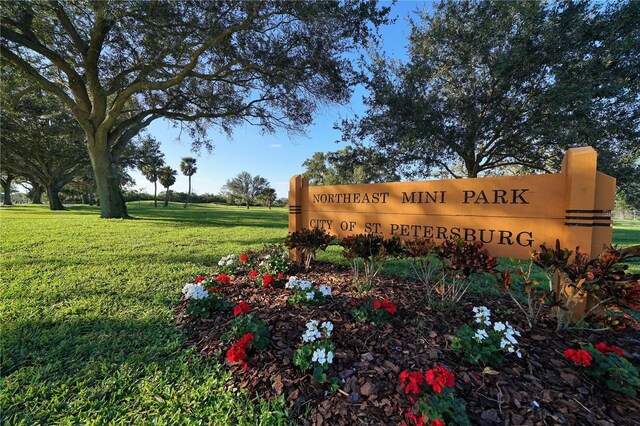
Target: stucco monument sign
column 511, row 215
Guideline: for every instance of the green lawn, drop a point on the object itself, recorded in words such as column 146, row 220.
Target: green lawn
column 86, row 314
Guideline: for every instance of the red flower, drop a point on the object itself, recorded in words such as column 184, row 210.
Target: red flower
column 199, row 279
column 253, row 274
column 411, row 381
column 389, row 306
column 223, row 279
column 440, row 378
column 268, row 280
column 238, row 351
column 354, row 302
column 604, row 349
column 419, row 421
column 242, row 308
column 244, row 257
column 280, row 275
column 377, row 304
column 579, row 356
column 437, row 422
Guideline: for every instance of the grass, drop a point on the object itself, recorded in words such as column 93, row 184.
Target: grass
column 86, row 314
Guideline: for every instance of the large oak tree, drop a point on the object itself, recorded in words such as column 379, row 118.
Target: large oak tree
column 491, row 85
column 119, row 65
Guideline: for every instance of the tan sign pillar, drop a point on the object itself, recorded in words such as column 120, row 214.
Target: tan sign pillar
column 511, row 215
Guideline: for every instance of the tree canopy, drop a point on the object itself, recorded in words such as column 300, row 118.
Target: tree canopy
column 120, row 65
column 491, row 85
column 347, row 166
column 41, row 141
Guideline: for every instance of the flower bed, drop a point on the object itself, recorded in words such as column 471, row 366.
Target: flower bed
column 363, row 385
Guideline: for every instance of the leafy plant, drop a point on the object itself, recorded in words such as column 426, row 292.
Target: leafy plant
column 535, row 299
column 305, row 294
column 463, row 258
column 371, row 310
column 370, row 249
column 203, row 307
column 487, row 344
column 248, row 323
column 603, row 281
column 228, row 264
column 607, row 364
column 423, row 253
column 436, row 402
column 317, row 351
column 273, row 259
column 201, row 301
column 308, row 242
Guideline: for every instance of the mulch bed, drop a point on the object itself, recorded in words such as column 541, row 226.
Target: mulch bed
column 542, row 388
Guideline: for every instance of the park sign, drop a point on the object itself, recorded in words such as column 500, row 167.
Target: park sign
column 511, row 215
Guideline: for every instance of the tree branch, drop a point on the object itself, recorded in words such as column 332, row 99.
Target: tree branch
column 30, row 41
column 46, row 84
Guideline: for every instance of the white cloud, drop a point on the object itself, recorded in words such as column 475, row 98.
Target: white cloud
column 275, row 145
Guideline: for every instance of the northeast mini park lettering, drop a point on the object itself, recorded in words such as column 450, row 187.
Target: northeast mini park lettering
column 492, row 196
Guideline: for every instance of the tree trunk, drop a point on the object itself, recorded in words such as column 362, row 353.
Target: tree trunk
column 155, row 193
column 54, row 197
column 107, row 175
column 166, row 197
column 247, row 204
column 36, row 194
column 6, row 186
column 188, row 193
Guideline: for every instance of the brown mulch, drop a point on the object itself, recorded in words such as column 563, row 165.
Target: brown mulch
column 542, row 388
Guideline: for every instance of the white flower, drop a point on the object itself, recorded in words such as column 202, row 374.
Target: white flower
column 329, row 357
column 292, row 283
column 268, row 256
column 220, row 262
column 194, row 291
column 483, row 315
column 304, row 285
column 499, row 326
column 312, row 333
column 229, row 262
column 327, row 326
column 325, row 290
column 319, row 356
column 310, row 295
column 481, row 335
column 311, row 336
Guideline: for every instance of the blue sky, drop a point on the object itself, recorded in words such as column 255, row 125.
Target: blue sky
column 278, row 156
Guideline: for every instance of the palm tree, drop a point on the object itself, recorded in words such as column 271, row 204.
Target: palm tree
column 188, row 168
column 151, row 171
column 151, row 161
column 167, row 178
